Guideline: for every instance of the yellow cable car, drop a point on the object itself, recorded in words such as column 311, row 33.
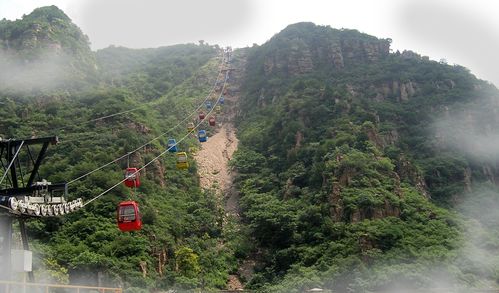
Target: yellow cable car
column 190, row 127
column 182, row 162
column 218, row 109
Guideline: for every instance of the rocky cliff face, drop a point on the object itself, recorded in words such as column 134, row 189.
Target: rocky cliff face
column 307, row 52
column 341, row 207
column 396, row 89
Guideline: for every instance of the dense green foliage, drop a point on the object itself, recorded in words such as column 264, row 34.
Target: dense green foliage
column 151, row 72
column 179, row 246
column 358, row 169
column 337, row 160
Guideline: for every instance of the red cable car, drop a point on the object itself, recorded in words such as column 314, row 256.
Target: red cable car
column 201, row 115
column 128, row 216
column 132, row 178
column 212, row 121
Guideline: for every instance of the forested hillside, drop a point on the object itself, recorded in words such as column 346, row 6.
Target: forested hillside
column 178, row 245
column 44, row 51
column 359, row 169
column 365, row 169
column 152, row 72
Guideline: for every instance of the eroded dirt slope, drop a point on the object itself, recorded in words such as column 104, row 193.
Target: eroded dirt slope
column 215, row 173
column 213, row 159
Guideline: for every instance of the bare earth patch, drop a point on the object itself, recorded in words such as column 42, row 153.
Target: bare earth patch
column 213, row 159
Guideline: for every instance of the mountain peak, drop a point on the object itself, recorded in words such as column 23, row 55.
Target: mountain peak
column 48, row 13
column 305, row 47
column 44, row 49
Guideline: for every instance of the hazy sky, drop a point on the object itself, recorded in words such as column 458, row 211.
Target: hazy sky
column 465, row 32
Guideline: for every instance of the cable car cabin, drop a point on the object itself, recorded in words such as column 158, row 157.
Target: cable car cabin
column 202, row 136
column 182, row 162
column 132, row 178
column 208, row 105
column 218, row 109
column 190, row 126
column 128, row 215
column 172, row 145
column 212, row 121
column 221, row 100
column 201, row 115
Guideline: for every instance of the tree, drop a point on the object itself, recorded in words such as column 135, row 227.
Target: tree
column 186, row 262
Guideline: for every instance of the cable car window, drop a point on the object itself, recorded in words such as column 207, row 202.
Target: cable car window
column 130, row 175
column 127, row 213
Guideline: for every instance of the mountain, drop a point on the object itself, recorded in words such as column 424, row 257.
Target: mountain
column 362, row 169
column 156, row 88
column 359, row 169
column 304, row 48
column 151, row 71
column 44, row 50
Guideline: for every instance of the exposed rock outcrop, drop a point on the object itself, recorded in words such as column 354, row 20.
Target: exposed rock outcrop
column 336, row 203
column 158, row 172
column 139, row 127
column 372, row 213
column 300, row 61
column 338, row 211
column 410, row 173
column 305, row 53
column 397, row 90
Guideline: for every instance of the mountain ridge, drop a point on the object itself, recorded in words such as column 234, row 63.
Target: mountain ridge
column 45, row 50
column 311, row 46
column 341, row 168
column 355, row 169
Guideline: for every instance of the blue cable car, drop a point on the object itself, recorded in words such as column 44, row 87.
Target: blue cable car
column 202, row 136
column 208, row 105
column 172, row 145
column 222, row 100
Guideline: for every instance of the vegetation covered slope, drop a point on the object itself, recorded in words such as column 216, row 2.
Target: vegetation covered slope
column 353, row 161
column 151, row 72
column 44, row 50
column 178, row 246
column 358, row 168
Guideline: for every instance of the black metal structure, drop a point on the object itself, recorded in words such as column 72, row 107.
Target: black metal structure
column 30, row 190
column 16, row 186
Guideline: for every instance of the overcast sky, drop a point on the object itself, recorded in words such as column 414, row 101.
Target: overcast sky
column 464, row 32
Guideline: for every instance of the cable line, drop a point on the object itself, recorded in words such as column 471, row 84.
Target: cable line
column 186, row 118
column 7, row 208
column 64, row 208
column 126, row 111
column 157, row 137
column 161, row 154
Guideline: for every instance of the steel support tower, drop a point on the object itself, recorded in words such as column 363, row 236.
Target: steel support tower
column 15, row 185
